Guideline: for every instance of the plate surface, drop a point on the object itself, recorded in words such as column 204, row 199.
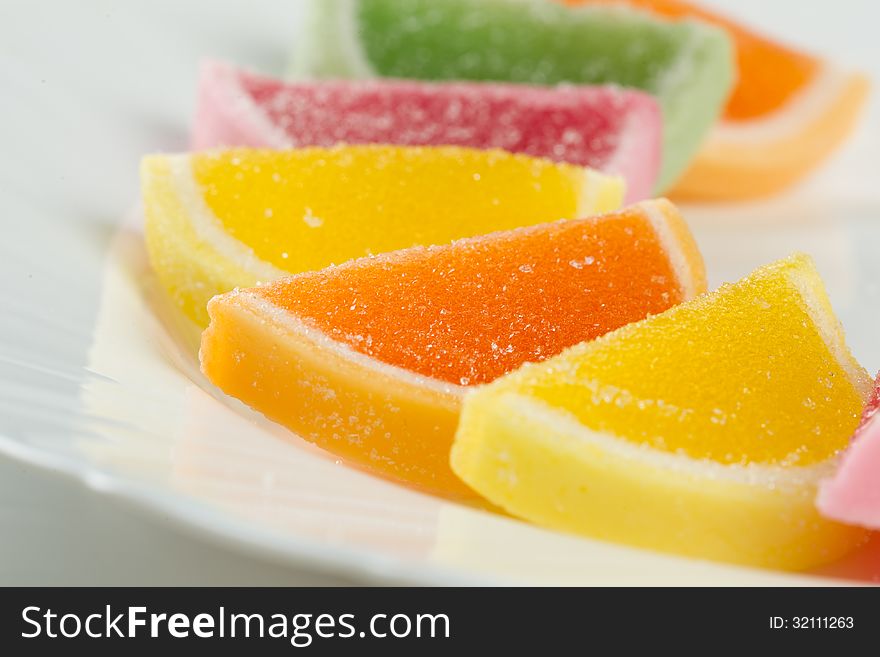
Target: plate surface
column 98, row 377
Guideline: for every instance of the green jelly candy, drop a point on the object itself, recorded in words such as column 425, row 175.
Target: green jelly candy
column 688, row 65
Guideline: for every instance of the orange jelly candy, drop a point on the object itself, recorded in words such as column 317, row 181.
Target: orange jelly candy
column 769, row 72
column 371, row 359
column 787, row 113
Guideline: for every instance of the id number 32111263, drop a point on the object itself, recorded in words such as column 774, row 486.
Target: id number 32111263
column 812, row 623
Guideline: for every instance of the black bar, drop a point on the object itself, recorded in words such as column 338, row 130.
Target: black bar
column 544, row 621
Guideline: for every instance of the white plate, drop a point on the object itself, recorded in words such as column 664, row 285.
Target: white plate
column 98, row 378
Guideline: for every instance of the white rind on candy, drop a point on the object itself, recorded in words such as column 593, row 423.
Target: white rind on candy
column 229, row 109
column 804, row 108
column 589, row 192
column 819, row 308
column 685, row 103
column 753, row 474
column 654, row 211
column 209, row 228
column 289, row 322
column 631, row 148
column 329, row 44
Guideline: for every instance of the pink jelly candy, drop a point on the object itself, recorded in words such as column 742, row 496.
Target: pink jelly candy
column 607, row 128
column 852, row 495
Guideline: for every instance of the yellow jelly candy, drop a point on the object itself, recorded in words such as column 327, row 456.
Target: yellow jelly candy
column 220, row 220
column 703, row 430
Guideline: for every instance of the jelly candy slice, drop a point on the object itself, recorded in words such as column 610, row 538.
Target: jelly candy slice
column 224, row 219
column 605, row 128
column 852, row 494
column 687, row 65
column 702, row 431
column 788, row 112
column 370, row 359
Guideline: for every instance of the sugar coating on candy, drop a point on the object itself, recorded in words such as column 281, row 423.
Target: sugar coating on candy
column 305, row 209
column 754, row 373
column 219, row 220
column 471, row 311
column 701, row 431
column 606, row 128
column 689, row 66
column 370, row 359
column 852, row 494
